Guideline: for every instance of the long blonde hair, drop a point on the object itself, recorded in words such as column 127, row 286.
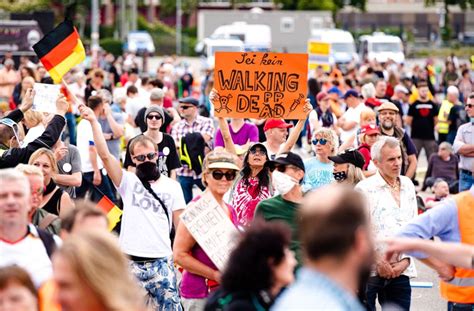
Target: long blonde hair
column 100, row 265
column 49, row 154
column 354, row 174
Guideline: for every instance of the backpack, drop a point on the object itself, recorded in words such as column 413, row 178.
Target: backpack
column 48, row 241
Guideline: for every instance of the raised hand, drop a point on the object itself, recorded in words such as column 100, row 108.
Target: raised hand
column 62, row 105
column 27, row 101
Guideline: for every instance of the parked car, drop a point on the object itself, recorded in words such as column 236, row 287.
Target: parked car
column 139, row 42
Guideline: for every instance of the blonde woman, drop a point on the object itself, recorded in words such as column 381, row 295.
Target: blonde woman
column 36, row 123
column 55, row 200
column 91, row 273
column 319, row 169
column 348, row 167
column 219, row 171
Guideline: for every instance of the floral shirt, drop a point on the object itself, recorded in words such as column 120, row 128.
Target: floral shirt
column 387, row 216
column 245, row 198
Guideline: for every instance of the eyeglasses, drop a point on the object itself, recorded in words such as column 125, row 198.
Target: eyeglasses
column 185, row 107
column 38, row 191
column 469, row 105
column 258, row 151
column 154, row 116
column 217, row 175
column 142, row 157
column 321, row 141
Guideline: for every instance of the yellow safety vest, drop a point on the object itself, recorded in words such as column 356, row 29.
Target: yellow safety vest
column 443, row 122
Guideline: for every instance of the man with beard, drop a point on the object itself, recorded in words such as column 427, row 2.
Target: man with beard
column 392, row 204
column 336, row 238
column 423, row 118
column 152, row 203
column 387, row 116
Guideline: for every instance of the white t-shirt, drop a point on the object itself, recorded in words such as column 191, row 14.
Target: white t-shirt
column 352, row 115
column 145, row 230
column 30, row 254
column 33, row 133
column 85, row 138
column 134, row 105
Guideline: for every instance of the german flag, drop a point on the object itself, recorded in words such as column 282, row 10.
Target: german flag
column 112, row 211
column 60, row 50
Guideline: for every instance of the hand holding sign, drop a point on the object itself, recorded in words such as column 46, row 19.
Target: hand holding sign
column 27, row 101
column 260, row 85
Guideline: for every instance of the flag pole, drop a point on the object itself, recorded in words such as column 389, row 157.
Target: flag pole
column 78, row 102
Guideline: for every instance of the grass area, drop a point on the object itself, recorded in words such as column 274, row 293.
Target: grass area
column 443, row 52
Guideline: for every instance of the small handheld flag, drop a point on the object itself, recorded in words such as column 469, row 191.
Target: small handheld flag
column 60, row 50
column 112, row 211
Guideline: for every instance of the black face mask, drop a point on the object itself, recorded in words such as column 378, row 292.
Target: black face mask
column 340, row 176
column 148, row 171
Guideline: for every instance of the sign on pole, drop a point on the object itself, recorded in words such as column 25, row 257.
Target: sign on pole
column 212, row 229
column 319, row 54
column 260, row 85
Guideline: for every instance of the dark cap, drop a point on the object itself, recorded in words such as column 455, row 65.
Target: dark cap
column 351, row 156
column 154, row 108
column 288, row 158
column 351, row 93
column 189, row 100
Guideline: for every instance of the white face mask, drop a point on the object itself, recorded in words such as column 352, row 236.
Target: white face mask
column 283, row 183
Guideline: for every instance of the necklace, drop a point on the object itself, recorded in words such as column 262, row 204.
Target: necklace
column 393, row 186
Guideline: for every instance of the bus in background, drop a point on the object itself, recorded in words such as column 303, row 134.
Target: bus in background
column 381, row 47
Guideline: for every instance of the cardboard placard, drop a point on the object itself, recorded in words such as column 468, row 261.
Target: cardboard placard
column 319, row 55
column 45, row 97
column 211, row 228
column 260, row 85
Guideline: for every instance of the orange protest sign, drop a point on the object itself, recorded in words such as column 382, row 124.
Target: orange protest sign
column 260, row 85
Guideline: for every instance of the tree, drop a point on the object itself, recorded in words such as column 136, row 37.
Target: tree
column 320, row 4
column 463, row 4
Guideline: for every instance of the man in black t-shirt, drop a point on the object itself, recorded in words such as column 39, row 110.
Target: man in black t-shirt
column 457, row 117
column 168, row 160
column 156, row 98
column 423, row 117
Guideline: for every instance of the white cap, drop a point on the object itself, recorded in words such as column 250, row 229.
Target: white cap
column 401, row 88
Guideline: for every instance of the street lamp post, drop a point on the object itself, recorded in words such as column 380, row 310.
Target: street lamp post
column 179, row 14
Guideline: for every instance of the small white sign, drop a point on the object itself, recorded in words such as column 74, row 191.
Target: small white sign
column 212, row 229
column 45, row 97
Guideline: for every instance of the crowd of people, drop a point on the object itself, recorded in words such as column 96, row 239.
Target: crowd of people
column 331, row 211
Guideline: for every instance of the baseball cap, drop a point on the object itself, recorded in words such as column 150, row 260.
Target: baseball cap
column 157, row 94
column 321, row 96
column 388, row 106
column 276, row 123
column 335, row 90
column 288, row 158
column 370, row 129
column 351, row 156
column 401, row 88
column 189, row 100
column 351, row 92
column 154, row 108
column 220, row 159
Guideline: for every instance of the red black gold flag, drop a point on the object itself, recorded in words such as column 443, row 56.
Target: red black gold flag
column 60, row 50
column 112, row 211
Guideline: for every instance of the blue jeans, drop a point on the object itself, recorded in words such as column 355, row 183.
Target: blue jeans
column 453, row 306
column 187, row 184
column 71, row 127
column 465, row 181
column 105, row 188
column 390, row 292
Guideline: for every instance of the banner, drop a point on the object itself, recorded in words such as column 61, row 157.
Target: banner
column 319, row 55
column 212, row 229
column 260, row 85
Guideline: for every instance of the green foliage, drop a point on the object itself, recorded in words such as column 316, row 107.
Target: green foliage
column 315, row 5
column 23, row 5
column 320, row 4
column 463, row 4
column 168, row 7
column 112, row 45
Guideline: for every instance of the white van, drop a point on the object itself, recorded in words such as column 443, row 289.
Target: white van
column 211, row 46
column 256, row 37
column 381, row 47
column 343, row 49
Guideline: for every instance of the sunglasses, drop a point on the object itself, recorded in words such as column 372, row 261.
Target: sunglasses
column 142, row 157
column 38, row 191
column 469, row 105
column 155, row 116
column 185, row 107
column 257, row 151
column 217, row 175
column 321, row 141
column 13, row 125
